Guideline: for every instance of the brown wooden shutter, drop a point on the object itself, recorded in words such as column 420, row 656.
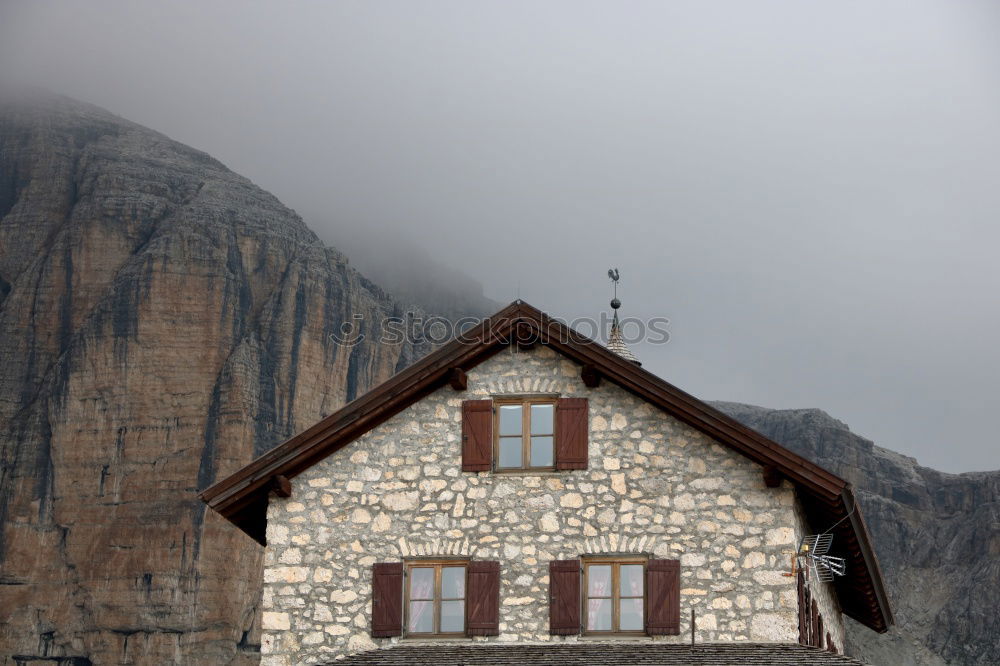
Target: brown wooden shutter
column 814, row 637
column 477, row 435
column 387, row 599
column 803, row 593
column 663, row 594
column 564, row 597
column 572, row 425
column 482, row 599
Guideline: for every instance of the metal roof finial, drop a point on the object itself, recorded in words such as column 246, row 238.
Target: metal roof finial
column 616, row 343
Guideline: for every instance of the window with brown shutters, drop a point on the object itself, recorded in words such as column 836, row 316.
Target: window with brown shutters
column 441, row 598
column 387, row 599
column 617, row 595
column 663, row 590
column 572, row 426
column 477, row 435
column 564, row 597
column 524, row 433
column 482, row 608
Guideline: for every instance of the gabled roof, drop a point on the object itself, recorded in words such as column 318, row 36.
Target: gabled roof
column 826, row 498
column 589, row 653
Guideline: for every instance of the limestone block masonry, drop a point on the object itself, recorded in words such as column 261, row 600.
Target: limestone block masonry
column 654, row 485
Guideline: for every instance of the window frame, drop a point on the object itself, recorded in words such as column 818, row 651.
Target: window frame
column 616, row 562
column 525, row 402
column 438, row 565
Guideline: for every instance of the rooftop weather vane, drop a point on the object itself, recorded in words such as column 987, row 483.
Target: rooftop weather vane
column 613, row 274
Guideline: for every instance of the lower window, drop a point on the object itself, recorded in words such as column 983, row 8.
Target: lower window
column 614, row 595
column 435, row 598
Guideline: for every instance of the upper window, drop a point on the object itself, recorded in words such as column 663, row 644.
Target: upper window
column 614, row 595
column 435, row 593
column 519, row 432
column 525, row 434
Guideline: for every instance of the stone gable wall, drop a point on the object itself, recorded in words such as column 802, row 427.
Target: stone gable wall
column 654, row 486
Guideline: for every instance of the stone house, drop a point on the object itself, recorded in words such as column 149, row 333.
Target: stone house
column 526, row 485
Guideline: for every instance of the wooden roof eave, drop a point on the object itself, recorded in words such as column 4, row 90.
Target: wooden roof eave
column 872, row 566
column 394, row 394
column 703, row 417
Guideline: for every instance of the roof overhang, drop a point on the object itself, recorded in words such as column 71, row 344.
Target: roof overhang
column 827, row 499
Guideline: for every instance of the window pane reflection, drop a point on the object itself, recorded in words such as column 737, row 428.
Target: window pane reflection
column 422, row 583
column 599, row 580
column 453, row 582
column 510, row 420
column 510, row 452
column 630, row 580
column 599, row 614
column 452, row 616
column 541, row 419
column 421, row 617
column 631, row 615
column 541, row 452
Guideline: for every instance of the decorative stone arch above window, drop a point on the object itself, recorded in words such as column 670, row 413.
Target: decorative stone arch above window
column 620, row 544
column 520, row 386
column 408, row 547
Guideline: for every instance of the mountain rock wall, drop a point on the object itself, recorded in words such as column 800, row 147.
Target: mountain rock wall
column 162, row 322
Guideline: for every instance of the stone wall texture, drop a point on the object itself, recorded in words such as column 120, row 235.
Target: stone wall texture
column 654, row 486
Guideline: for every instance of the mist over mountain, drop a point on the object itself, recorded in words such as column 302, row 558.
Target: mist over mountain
column 163, row 321
column 412, row 275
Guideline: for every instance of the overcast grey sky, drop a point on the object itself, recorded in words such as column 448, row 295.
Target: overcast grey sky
column 809, row 191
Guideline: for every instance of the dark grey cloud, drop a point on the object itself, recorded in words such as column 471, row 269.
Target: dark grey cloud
column 808, row 191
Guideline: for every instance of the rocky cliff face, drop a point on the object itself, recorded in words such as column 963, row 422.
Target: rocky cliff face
column 162, row 322
column 937, row 537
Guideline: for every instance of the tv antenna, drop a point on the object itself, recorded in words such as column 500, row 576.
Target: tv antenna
column 813, row 557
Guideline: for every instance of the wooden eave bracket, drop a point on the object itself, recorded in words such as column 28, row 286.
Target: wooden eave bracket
column 590, row 375
column 458, row 379
column 281, row 486
column 772, row 476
